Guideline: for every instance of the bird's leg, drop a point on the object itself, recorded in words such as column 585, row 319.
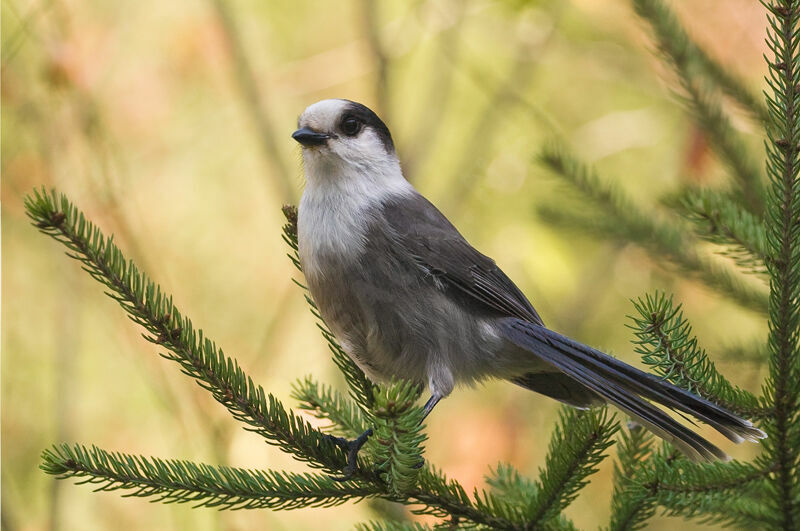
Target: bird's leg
column 430, row 404
column 352, row 448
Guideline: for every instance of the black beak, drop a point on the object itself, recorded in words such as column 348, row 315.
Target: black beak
column 307, row 137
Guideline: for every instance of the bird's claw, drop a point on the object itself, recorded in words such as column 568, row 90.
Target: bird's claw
column 352, row 448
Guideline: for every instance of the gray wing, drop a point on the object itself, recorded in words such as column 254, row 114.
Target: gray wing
column 440, row 250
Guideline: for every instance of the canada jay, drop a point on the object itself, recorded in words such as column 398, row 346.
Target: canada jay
column 407, row 296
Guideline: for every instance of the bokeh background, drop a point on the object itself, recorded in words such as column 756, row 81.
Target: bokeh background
column 168, row 123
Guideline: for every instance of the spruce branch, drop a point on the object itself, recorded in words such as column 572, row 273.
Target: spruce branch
column 638, row 503
column 174, row 481
column 398, row 438
column 197, row 355
column 576, row 448
column 728, row 146
column 514, row 495
column 392, row 526
column 502, row 99
column 625, row 221
column 694, row 490
column 631, row 506
column 446, row 498
column 508, row 484
column 689, row 62
column 199, row 358
column 753, row 351
column 687, row 489
column 664, row 340
column 679, row 48
column 732, row 511
column 326, row 403
column 781, row 392
column 719, row 219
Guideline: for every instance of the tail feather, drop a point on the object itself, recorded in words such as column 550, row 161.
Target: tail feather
column 627, row 388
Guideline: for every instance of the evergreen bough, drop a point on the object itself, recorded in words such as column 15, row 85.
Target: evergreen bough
column 757, row 224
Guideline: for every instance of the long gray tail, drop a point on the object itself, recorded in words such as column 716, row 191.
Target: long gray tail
column 627, row 388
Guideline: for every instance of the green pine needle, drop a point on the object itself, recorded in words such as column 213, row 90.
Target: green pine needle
column 719, row 219
column 174, row 481
column 631, row 505
column 625, row 221
column 694, row 490
column 690, row 62
column 576, row 448
column 398, row 435
column 390, row 525
column 509, row 485
column 781, row 392
column 428, row 491
column 197, row 355
column 326, row 403
column 676, row 45
column 761, row 495
column 664, row 340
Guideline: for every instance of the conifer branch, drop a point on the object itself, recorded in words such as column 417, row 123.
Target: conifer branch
column 199, row 358
column 478, row 143
column 717, row 478
column 688, row 60
column 631, row 506
column 754, row 351
column 392, row 526
column 665, row 342
column 197, row 355
column 508, row 484
column 687, row 489
column 326, row 403
column 781, row 391
column 515, row 496
column 639, row 503
column 446, row 498
column 625, row 221
column 693, row 490
column 728, row 146
column 675, row 43
column 575, row 450
column 741, row 512
column 721, row 220
column 174, row 481
column 398, row 436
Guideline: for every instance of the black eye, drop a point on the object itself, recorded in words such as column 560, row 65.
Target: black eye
column 351, row 126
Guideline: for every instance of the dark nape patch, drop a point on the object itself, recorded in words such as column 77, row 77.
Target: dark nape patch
column 366, row 116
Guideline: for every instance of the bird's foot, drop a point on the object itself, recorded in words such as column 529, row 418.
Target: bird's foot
column 352, row 447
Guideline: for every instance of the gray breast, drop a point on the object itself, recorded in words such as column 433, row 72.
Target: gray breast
column 396, row 319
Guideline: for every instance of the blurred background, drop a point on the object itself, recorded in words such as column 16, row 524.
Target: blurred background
column 168, row 123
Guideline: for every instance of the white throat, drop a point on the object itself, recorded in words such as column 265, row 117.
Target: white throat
column 337, row 202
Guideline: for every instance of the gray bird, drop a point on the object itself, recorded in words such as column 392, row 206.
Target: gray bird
column 407, row 296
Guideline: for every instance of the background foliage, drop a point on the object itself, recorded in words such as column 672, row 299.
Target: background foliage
column 169, row 123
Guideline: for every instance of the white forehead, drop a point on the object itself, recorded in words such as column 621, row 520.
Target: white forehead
column 323, row 115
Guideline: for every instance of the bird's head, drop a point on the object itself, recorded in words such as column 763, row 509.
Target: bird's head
column 342, row 137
